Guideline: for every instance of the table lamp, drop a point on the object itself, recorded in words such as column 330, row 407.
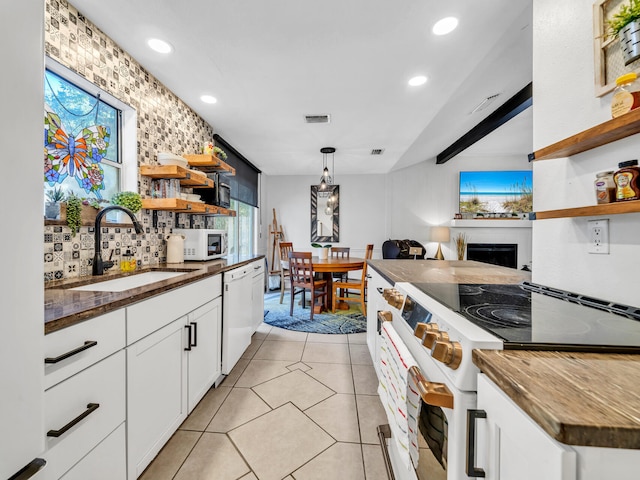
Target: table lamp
column 439, row 234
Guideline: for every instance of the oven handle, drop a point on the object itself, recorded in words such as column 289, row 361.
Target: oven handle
column 432, row 393
column 384, row 432
column 471, row 469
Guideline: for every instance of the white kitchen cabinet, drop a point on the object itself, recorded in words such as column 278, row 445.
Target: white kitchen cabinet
column 80, row 412
column 204, row 354
column 257, row 295
column 375, row 285
column 511, row 446
column 105, row 462
column 173, row 358
column 156, row 393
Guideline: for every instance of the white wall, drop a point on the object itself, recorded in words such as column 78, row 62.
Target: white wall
column 362, row 210
column 565, row 104
column 374, row 208
column 426, row 195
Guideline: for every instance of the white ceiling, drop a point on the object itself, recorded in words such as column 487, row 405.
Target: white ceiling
column 271, row 63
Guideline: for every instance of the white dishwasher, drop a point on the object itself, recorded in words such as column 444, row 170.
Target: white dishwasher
column 236, row 315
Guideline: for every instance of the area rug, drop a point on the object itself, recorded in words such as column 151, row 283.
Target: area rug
column 341, row 322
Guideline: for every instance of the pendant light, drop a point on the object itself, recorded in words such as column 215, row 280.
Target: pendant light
column 326, row 180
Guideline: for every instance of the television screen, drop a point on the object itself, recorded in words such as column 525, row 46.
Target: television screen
column 499, row 192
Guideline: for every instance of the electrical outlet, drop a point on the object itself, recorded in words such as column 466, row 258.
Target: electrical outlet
column 598, row 236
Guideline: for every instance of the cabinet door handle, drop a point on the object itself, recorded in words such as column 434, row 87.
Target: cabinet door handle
column 195, row 334
column 91, row 407
column 379, row 289
column 471, row 469
column 188, row 347
column 87, row 344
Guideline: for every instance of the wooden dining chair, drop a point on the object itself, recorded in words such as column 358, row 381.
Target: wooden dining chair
column 343, row 289
column 340, row 252
column 285, row 248
column 302, row 279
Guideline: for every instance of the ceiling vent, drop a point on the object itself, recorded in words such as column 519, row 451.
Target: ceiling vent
column 317, row 118
column 485, row 103
column 377, row 151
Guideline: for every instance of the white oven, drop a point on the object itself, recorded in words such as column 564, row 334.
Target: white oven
column 447, row 370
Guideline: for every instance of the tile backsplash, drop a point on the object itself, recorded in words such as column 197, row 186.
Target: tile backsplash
column 164, row 123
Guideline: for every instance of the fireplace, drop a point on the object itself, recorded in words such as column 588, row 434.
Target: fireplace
column 504, row 254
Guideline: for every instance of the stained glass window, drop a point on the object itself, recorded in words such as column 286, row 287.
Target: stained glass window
column 81, row 140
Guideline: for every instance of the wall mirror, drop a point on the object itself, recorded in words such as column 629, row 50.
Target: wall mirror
column 325, row 214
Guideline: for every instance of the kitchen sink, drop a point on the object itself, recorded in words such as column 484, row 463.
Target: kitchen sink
column 132, row 281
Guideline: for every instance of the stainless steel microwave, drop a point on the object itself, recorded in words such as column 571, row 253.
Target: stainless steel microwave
column 203, row 243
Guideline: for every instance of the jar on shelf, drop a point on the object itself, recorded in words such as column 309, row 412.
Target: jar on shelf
column 605, row 187
column 626, row 180
column 626, row 96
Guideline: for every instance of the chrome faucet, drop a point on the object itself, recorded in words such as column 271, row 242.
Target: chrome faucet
column 98, row 265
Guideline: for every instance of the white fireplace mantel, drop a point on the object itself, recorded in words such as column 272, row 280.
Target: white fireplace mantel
column 491, row 223
column 495, row 230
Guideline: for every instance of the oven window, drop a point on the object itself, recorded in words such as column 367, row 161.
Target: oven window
column 434, row 428
column 214, row 244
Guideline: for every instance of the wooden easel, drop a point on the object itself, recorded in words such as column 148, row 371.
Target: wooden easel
column 278, row 236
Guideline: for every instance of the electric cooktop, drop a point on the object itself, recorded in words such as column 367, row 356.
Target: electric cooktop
column 534, row 317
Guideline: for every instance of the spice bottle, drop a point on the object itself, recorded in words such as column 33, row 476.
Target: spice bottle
column 605, row 187
column 626, row 180
column 626, row 96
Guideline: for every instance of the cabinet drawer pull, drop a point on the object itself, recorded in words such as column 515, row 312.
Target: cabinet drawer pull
column 91, row 407
column 188, row 347
column 195, row 334
column 471, row 469
column 87, row 344
column 379, row 289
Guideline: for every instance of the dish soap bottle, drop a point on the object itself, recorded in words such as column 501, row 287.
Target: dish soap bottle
column 128, row 262
column 627, row 181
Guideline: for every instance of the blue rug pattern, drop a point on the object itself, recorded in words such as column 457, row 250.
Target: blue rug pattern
column 341, row 322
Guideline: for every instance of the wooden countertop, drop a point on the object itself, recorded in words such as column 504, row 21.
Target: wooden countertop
column 588, row 399
column 446, row 271
column 64, row 307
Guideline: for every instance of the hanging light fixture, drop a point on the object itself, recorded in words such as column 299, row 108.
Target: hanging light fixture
column 326, row 180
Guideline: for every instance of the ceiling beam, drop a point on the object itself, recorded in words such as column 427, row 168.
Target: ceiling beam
column 505, row 112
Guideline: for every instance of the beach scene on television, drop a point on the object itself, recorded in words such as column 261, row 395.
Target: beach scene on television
column 503, row 192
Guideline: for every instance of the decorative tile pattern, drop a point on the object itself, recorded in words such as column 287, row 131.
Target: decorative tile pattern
column 164, row 123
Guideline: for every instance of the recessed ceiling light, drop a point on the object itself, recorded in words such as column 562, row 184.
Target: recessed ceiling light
column 208, row 99
column 444, row 26
column 419, row 80
column 159, row 46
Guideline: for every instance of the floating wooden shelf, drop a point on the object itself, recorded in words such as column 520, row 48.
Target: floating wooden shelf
column 616, row 208
column 184, row 206
column 607, row 132
column 187, row 177
column 209, row 163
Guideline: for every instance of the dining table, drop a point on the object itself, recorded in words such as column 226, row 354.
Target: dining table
column 327, row 266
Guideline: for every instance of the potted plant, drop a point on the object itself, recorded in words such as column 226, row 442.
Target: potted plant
column 461, row 245
column 52, row 208
column 129, row 200
column 624, row 24
column 323, row 252
column 218, row 152
column 73, row 211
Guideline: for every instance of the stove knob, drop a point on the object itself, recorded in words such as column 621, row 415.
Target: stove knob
column 422, row 328
column 398, row 300
column 447, row 352
column 430, row 338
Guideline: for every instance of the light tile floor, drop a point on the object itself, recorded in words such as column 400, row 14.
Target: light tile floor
column 297, row 406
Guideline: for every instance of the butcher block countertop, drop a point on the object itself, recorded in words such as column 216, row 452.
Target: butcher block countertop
column 589, row 399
